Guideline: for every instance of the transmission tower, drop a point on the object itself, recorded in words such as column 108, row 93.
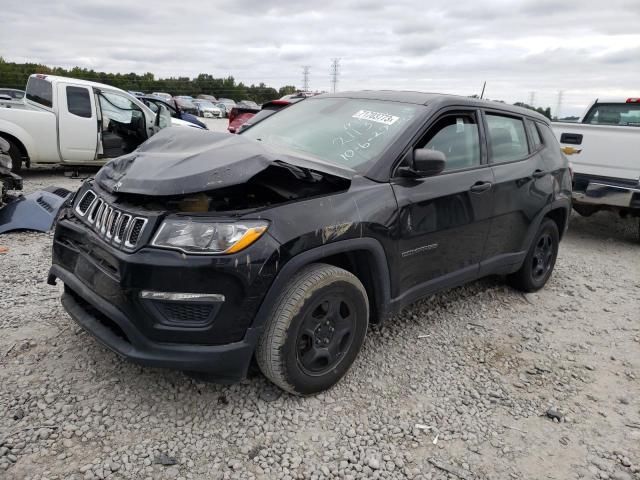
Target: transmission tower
column 559, row 106
column 335, row 72
column 532, row 98
column 305, row 77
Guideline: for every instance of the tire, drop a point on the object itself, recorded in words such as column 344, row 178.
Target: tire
column 540, row 260
column 316, row 330
column 16, row 158
column 585, row 210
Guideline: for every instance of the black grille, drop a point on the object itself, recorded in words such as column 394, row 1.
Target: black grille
column 123, row 227
column 138, row 223
column 114, row 223
column 44, row 204
column 186, row 312
column 86, row 202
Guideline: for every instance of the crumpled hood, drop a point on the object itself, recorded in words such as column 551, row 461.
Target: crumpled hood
column 179, row 161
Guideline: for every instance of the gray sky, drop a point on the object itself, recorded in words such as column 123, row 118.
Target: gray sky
column 586, row 48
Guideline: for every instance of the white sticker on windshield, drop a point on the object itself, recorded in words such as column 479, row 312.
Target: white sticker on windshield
column 377, row 117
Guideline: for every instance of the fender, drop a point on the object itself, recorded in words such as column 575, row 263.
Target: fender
column 20, row 134
column 382, row 282
column 561, row 202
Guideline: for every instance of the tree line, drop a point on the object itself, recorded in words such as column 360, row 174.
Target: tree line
column 15, row 75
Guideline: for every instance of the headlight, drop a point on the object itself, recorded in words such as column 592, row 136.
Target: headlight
column 195, row 235
column 5, row 161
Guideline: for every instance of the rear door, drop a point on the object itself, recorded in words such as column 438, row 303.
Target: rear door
column 444, row 220
column 523, row 183
column 77, row 123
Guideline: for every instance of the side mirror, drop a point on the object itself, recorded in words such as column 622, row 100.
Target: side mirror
column 427, row 162
column 424, row 163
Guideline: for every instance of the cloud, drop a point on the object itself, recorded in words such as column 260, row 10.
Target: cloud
column 517, row 46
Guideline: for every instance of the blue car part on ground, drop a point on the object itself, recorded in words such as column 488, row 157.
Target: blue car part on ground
column 35, row 211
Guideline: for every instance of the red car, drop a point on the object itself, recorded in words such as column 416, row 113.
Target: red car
column 242, row 117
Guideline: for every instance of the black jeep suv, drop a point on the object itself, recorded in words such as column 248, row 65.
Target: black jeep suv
column 200, row 251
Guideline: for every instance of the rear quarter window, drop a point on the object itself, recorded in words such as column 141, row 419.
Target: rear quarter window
column 40, row 91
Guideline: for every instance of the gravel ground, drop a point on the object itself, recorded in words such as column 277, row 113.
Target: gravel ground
column 460, row 386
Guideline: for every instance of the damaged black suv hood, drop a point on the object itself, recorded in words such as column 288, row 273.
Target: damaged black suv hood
column 183, row 160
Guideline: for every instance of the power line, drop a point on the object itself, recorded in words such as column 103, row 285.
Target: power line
column 335, row 72
column 305, row 77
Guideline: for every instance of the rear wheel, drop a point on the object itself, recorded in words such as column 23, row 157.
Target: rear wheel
column 16, row 157
column 316, row 330
column 540, row 260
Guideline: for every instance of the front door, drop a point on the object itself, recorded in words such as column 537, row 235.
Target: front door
column 77, row 123
column 444, row 220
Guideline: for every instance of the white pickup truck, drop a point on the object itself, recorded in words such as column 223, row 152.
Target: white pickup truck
column 604, row 150
column 77, row 122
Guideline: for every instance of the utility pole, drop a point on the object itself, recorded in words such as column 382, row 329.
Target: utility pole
column 532, row 98
column 335, row 72
column 559, row 106
column 305, row 77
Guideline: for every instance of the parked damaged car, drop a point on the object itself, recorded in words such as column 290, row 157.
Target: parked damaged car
column 202, row 251
column 8, row 180
column 36, row 211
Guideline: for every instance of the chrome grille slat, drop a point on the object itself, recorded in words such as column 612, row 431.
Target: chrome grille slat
column 113, row 225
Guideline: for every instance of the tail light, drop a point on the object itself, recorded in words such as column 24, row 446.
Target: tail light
column 633, row 100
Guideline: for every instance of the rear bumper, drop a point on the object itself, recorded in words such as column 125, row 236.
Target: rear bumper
column 226, row 363
column 606, row 191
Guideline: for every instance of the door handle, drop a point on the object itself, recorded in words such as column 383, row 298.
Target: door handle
column 539, row 174
column 480, row 187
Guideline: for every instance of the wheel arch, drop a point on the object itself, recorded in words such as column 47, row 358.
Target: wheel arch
column 363, row 257
column 24, row 152
column 558, row 211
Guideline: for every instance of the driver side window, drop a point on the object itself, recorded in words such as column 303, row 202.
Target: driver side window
column 456, row 135
column 118, row 108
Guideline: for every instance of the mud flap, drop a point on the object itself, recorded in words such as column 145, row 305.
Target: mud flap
column 36, row 211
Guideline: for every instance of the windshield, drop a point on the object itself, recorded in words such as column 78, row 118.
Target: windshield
column 348, row 132
column 204, row 103
column 623, row 114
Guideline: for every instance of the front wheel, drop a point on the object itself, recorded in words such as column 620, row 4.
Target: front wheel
column 540, row 260
column 316, row 330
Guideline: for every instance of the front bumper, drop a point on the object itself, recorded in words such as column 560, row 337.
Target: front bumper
column 226, row 363
column 103, row 288
column 606, row 191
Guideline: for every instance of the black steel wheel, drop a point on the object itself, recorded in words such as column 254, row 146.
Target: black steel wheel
column 316, row 330
column 543, row 254
column 325, row 334
column 540, row 260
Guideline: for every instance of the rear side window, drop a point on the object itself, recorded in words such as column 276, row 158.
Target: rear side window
column 507, row 137
column 40, row 91
column 457, row 137
column 79, row 101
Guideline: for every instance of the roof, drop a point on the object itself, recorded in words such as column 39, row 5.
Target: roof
column 75, row 81
column 430, row 98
